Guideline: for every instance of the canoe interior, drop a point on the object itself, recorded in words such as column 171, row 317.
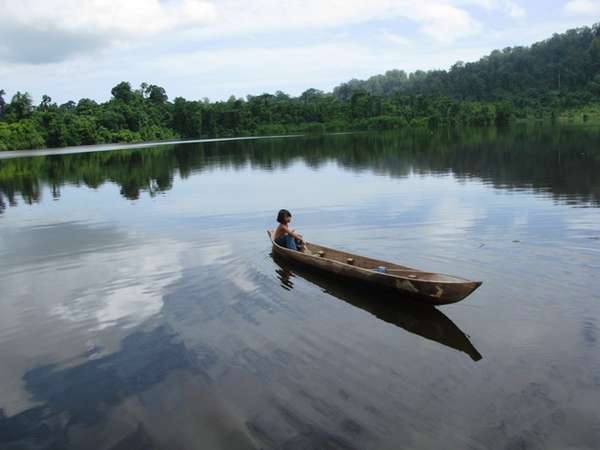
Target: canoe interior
column 371, row 264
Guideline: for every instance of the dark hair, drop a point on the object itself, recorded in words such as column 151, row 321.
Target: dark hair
column 282, row 214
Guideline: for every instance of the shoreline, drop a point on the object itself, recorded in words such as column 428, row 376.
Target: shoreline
column 10, row 154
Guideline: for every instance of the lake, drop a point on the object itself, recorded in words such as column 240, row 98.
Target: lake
column 140, row 306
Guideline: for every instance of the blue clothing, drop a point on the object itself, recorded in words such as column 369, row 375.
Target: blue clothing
column 287, row 241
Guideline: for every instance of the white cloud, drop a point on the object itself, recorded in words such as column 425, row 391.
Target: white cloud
column 42, row 31
column 510, row 7
column 439, row 19
column 396, row 39
column 445, row 23
column 107, row 16
column 214, row 48
column 514, row 10
column 582, row 7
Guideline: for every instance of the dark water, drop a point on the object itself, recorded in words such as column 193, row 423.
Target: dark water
column 140, row 307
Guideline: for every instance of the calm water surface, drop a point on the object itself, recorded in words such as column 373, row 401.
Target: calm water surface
column 140, row 307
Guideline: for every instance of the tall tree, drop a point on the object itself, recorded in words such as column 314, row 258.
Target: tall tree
column 45, row 103
column 2, row 102
column 123, row 92
column 21, row 106
column 156, row 94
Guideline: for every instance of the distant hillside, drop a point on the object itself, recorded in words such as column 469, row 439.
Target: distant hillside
column 565, row 63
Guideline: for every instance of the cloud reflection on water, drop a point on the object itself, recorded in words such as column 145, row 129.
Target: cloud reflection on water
column 134, row 312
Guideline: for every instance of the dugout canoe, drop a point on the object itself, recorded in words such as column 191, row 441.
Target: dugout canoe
column 424, row 287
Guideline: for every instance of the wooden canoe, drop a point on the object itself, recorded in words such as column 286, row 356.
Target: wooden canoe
column 426, row 287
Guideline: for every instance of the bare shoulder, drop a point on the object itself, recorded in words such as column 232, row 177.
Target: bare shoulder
column 280, row 230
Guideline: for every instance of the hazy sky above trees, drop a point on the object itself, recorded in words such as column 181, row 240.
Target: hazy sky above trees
column 71, row 49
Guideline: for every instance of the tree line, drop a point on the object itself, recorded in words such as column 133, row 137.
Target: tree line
column 562, row 71
column 543, row 80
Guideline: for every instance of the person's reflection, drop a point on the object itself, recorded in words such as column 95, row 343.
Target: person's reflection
column 285, row 277
column 427, row 322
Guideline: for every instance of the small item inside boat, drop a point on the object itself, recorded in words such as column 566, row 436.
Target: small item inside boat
column 380, row 269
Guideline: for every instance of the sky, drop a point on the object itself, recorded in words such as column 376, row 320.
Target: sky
column 71, row 49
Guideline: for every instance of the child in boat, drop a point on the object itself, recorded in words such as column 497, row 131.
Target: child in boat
column 284, row 235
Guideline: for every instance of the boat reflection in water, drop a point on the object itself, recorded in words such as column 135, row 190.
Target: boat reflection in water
column 425, row 321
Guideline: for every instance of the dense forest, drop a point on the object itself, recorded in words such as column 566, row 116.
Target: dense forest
column 541, row 81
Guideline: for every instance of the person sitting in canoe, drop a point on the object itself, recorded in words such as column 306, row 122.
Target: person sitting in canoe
column 284, row 235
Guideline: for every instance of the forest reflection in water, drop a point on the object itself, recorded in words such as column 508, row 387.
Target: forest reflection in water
column 554, row 161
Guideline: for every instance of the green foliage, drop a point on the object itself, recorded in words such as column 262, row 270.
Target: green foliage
column 589, row 114
column 553, row 72
column 19, row 108
column 20, row 135
column 380, row 123
column 187, row 118
column 123, row 92
column 271, row 129
column 126, row 136
column 156, row 94
column 313, row 128
column 552, row 80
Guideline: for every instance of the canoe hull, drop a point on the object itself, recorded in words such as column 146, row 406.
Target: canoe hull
column 423, row 291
